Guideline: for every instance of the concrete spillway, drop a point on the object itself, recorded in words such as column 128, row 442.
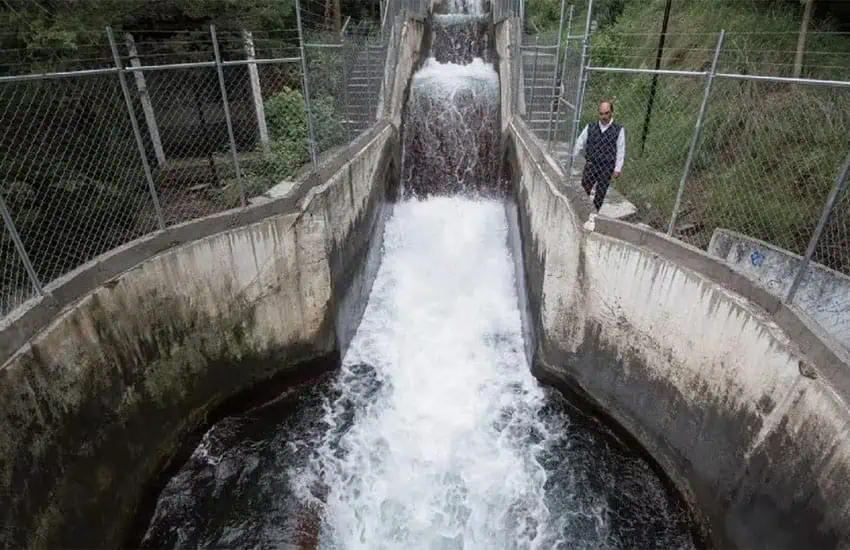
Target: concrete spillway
column 434, row 434
column 738, row 399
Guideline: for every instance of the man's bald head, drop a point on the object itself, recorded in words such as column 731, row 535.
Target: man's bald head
column 606, row 112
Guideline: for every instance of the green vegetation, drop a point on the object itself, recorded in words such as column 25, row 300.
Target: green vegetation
column 70, row 171
column 51, row 33
column 286, row 118
column 769, row 152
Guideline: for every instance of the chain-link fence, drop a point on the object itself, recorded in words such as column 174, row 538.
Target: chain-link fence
column 720, row 144
column 658, row 117
column 161, row 127
column 766, row 162
column 346, row 62
column 562, row 129
column 502, row 9
column 831, row 248
column 72, row 177
column 552, row 82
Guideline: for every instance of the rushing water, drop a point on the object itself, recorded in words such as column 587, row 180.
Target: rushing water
column 451, row 129
column 433, row 434
column 461, row 39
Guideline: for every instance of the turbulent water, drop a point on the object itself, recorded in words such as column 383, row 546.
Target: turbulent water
column 461, row 38
column 433, row 434
column 451, row 129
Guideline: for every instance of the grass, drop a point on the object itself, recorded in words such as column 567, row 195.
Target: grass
column 769, row 152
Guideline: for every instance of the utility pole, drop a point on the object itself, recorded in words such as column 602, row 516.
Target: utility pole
column 801, row 41
column 654, row 85
column 338, row 20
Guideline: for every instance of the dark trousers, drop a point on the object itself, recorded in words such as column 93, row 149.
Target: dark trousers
column 599, row 176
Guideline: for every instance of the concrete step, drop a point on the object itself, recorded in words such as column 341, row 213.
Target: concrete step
column 362, row 99
column 359, row 114
column 529, row 74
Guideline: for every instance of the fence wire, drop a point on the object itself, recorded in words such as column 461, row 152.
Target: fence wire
column 561, row 133
column 14, row 281
column 766, row 162
column 653, row 166
column 832, row 248
column 70, row 168
column 198, row 170
column 539, row 70
column 274, row 99
column 767, row 150
column 502, row 9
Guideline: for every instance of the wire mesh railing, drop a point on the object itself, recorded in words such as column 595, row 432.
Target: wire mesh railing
column 155, row 129
column 73, row 180
column 653, row 159
column 762, row 167
column 502, row 9
column 718, row 141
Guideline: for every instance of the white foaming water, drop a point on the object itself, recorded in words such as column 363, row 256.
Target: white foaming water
column 445, row 79
column 443, row 454
column 475, row 7
column 448, row 19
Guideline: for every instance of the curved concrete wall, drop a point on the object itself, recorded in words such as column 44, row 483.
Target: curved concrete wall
column 823, row 294
column 742, row 404
column 99, row 397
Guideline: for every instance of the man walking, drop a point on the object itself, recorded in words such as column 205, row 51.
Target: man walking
column 604, row 144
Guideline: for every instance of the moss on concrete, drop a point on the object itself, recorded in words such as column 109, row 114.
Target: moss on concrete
column 98, row 422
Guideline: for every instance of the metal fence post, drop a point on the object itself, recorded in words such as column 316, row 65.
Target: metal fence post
column 19, row 246
column 582, row 78
column 556, row 93
column 305, row 83
column 824, row 218
column 565, row 74
column 529, row 111
column 709, row 80
column 346, row 75
column 522, row 20
column 227, row 119
column 135, row 124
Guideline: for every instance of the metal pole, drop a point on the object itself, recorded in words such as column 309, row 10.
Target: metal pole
column 709, row 79
column 529, row 111
column 227, row 119
column 521, row 21
column 135, row 124
column 582, row 77
column 813, row 242
column 654, row 85
column 305, row 83
column 19, row 246
column 346, row 106
column 564, row 81
column 556, row 90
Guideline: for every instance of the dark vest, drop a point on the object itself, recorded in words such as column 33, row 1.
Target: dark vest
column 602, row 147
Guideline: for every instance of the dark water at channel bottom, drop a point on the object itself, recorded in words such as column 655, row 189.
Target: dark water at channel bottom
column 433, row 434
